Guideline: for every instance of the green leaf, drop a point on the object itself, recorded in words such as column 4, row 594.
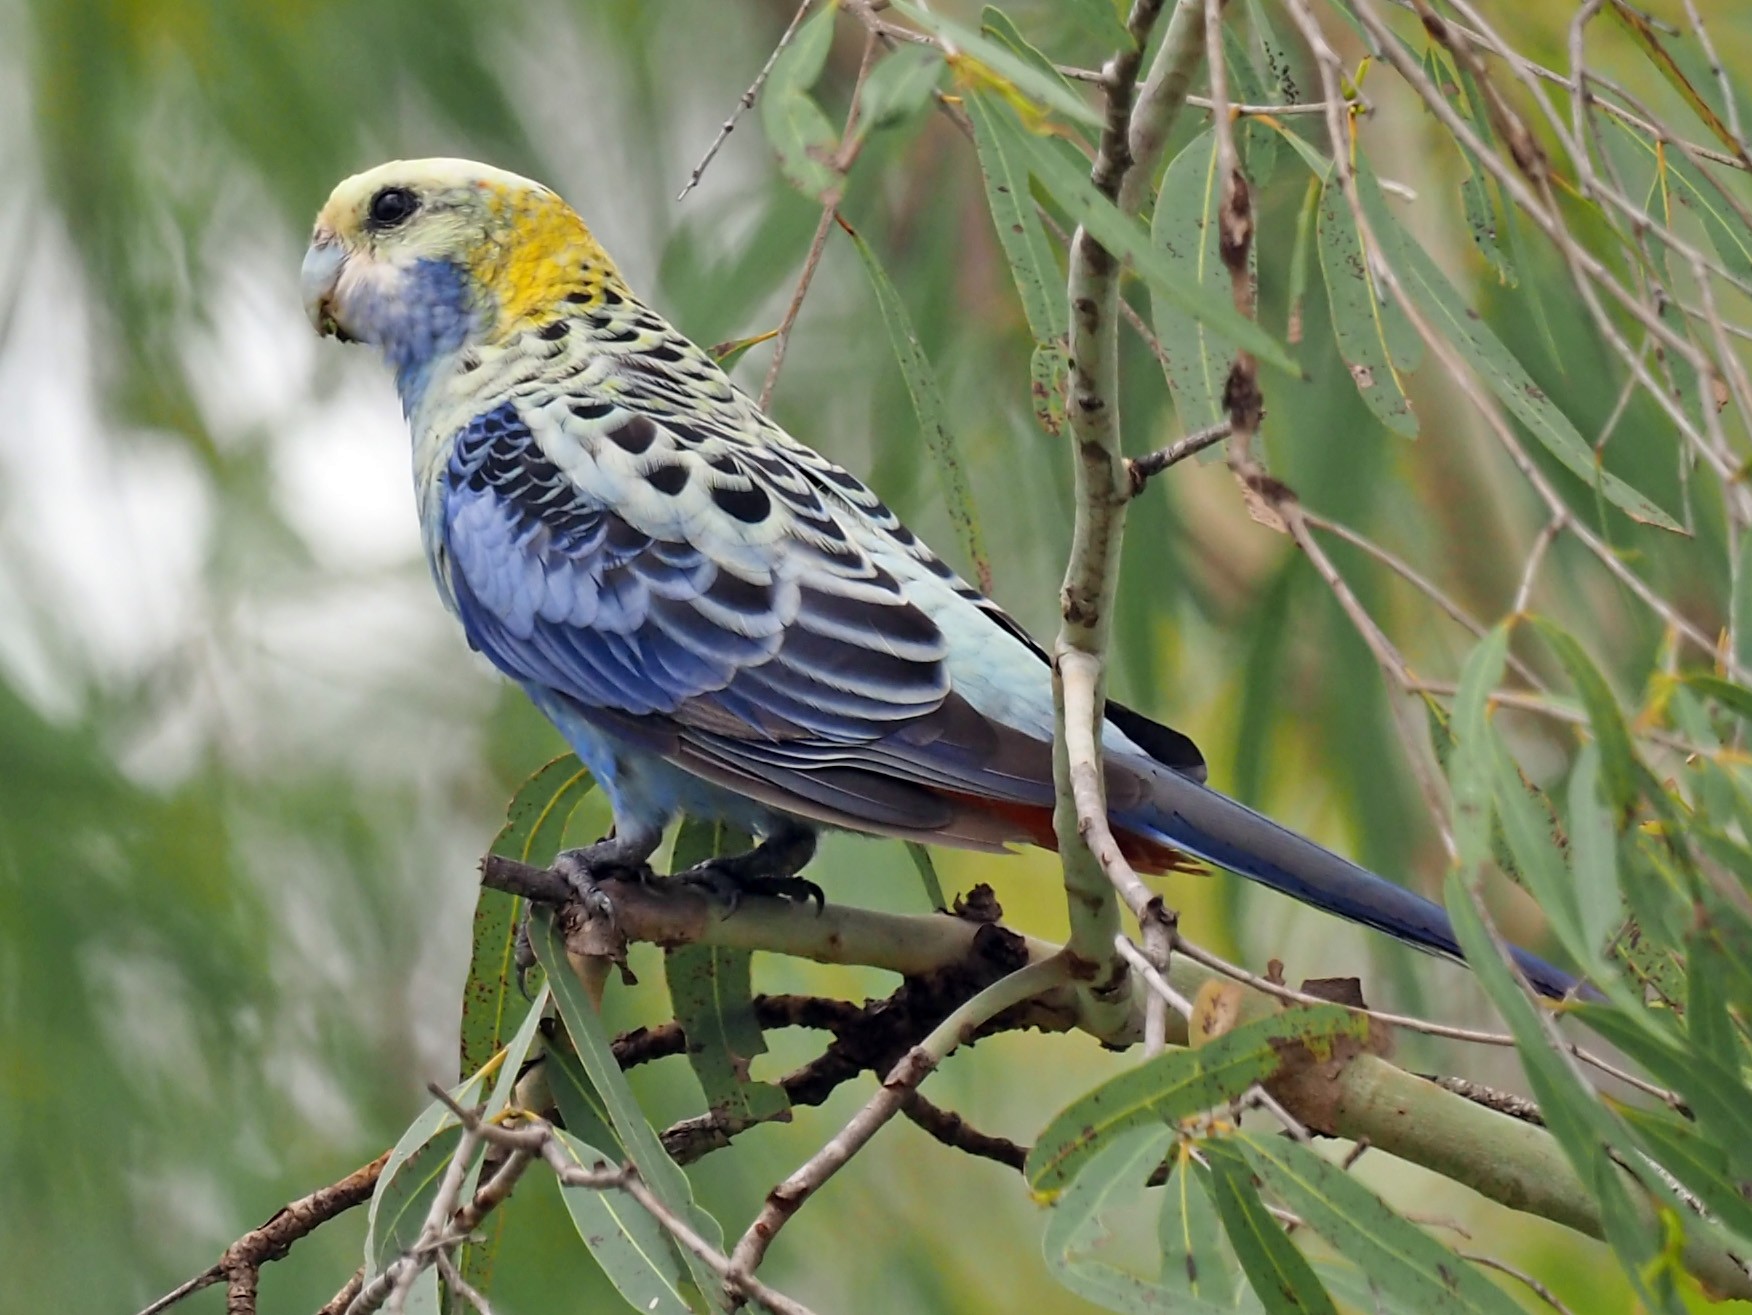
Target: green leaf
column 1620, row 771
column 1528, row 825
column 1180, row 1083
column 1593, row 852
column 898, row 87
column 410, row 1177
column 710, row 990
column 1737, row 699
column 1003, row 165
column 1300, row 262
column 927, row 399
column 1373, row 336
column 1040, row 283
column 1671, row 67
column 1126, row 239
column 996, row 24
column 1256, row 141
column 476, row 1257
column 581, row 1106
column 1469, row 759
column 1583, row 1127
column 1494, row 363
column 1697, row 1161
column 982, row 59
column 535, row 826
column 1715, row 1093
column 796, row 126
column 1742, row 604
column 635, row 1251
column 1476, row 196
column 927, row 870
column 1074, row 1236
column 632, row 1129
column 1184, row 230
column 1278, row 1273
column 1400, row 1258
column 1280, row 72
column 1101, row 21
column 1194, row 1263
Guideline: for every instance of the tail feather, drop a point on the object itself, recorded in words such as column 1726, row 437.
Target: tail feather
column 1215, row 828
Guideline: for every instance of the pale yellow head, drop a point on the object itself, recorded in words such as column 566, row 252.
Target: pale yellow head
column 423, row 257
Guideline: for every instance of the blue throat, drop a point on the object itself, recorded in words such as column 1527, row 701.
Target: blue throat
column 428, row 320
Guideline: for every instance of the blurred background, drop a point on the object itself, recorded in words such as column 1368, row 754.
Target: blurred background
column 247, row 765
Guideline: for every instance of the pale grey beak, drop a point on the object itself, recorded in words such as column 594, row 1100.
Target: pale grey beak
column 321, row 272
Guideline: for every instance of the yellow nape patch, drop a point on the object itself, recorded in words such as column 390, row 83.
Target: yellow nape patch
column 537, row 253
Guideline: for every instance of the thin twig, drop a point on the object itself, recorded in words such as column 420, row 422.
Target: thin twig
column 789, row 1196
column 291, row 1223
column 744, row 103
column 1472, row 1036
column 1145, row 468
column 850, row 144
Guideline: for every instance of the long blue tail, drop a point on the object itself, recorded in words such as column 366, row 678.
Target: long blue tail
column 1210, row 826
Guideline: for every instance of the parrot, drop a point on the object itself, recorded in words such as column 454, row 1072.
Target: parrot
column 721, row 622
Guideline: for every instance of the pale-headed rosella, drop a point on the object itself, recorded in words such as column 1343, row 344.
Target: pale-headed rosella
column 720, row 621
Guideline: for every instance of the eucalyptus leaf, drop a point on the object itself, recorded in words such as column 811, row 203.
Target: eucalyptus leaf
column 1179, row 1083
column 1398, row 1256
column 633, row 1249
column 927, row 399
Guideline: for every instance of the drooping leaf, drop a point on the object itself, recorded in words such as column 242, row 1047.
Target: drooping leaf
column 1194, row 1264
column 1184, row 230
column 1494, row 363
column 795, row 125
column 1126, row 238
column 1075, row 1235
column 410, row 1176
column 535, row 825
column 1620, row 770
column 631, row 1128
column 1180, row 1083
column 898, row 87
column 1370, row 328
column 981, row 59
column 1276, row 1270
column 1398, row 1256
column 476, row 1257
column 1697, row 1161
column 1574, row 1115
column 1664, row 59
column 1039, row 280
column 709, row 987
column 927, row 400
column 634, row 1250
column 1469, row 760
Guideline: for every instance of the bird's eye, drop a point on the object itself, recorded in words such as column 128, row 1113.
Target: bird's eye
column 391, row 206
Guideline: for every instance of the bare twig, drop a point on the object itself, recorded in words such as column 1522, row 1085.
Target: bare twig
column 744, row 103
column 958, row 1134
column 850, row 144
column 788, row 1197
column 1132, row 136
column 1473, row 1036
column 296, row 1220
column 1145, row 468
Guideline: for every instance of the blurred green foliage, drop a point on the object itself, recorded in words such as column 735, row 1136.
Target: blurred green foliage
column 246, row 769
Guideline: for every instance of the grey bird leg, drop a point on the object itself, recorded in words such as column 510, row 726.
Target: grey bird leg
column 770, row 868
column 615, row 855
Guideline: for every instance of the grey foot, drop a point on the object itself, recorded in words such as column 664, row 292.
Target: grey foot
column 770, row 869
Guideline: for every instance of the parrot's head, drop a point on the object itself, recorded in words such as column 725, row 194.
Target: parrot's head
column 422, row 258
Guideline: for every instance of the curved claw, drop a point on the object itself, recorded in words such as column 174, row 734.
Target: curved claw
column 728, row 881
